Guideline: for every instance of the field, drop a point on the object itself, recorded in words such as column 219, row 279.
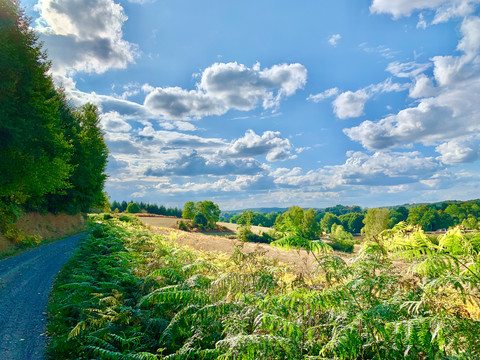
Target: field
column 300, row 260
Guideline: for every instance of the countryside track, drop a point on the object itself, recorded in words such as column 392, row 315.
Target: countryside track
column 25, row 283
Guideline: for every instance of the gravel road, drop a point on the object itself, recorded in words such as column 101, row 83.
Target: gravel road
column 25, row 283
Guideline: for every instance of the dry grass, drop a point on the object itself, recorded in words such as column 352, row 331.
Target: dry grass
column 300, row 261
column 171, row 222
column 47, row 226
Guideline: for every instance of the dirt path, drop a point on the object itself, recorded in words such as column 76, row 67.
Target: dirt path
column 25, row 283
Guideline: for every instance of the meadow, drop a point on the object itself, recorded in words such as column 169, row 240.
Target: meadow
column 131, row 294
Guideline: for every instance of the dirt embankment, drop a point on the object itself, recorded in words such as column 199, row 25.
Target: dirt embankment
column 46, row 226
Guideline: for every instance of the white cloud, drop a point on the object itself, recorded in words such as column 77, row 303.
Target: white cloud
column 450, row 110
column 422, row 87
column 350, row 104
column 460, row 150
column 324, row 95
column 270, row 143
column 112, row 121
column 84, row 35
column 192, row 164
column 360, row 169
column 333, row 40
column 408, row 69
column 422, row 24
column 444, row 9
column 225, row 86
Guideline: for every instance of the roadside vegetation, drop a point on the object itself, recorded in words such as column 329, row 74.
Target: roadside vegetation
column 130, row 294
column 52, row 155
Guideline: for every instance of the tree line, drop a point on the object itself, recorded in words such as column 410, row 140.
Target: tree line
column 146, row 207
column 429, row 217
column 52, row 155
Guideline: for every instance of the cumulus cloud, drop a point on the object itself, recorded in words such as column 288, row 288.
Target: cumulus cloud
column 84, row 35
column 333, row 40
column 193, row 164
column 112, row 121
column 360, row 169
column 460, row 150
column 226, row 86
column 350, row 104
column 444, row 9
column 270, row 143
column 444, row 112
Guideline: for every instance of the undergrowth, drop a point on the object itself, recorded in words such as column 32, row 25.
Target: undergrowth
column 130, row 294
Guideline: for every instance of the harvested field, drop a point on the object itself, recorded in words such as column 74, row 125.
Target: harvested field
column 169, row 222
column 300, row 261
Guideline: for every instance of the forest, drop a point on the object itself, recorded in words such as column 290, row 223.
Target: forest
column 431, row 217
column 52, row 155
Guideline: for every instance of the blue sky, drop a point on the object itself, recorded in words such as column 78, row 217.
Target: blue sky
column 276, row 103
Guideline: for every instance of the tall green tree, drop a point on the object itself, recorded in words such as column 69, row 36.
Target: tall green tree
column 328, row 220
column 298, row 221
column 34, row 153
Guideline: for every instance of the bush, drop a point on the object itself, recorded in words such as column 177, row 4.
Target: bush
column 342, row 245
column 133, row 208
column 129, row 218
column 182, row 225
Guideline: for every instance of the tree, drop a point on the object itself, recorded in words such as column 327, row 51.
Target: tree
column 376, row 220
column 133, row 208
column 34, row 154
column 397, row 215
column 89, row 160
column 297, row 220
column 210, row 210
column 189, row 210
column 352, row 222
column 328, row 220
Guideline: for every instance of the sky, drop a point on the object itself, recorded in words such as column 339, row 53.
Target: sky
column 276, row 103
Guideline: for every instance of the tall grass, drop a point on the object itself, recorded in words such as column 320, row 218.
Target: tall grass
column 129, row 294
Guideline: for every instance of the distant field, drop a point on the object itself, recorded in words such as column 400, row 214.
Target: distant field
column 170, row 222
column 300, row 260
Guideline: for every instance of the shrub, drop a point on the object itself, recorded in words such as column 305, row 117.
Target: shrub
column 133, row 208
column 342, row 245
column 182, row 225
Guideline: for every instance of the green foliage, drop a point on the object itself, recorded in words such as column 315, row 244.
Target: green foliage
column 188, row 210
column 376, row 220
column 341, row 239
column 328, row 221
column 205, row 212
column 182, row 225
column 298, row 222
column 352, row 222
column 131, row 294
column 200, row 220
column 52, row 156
column 133, row 208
